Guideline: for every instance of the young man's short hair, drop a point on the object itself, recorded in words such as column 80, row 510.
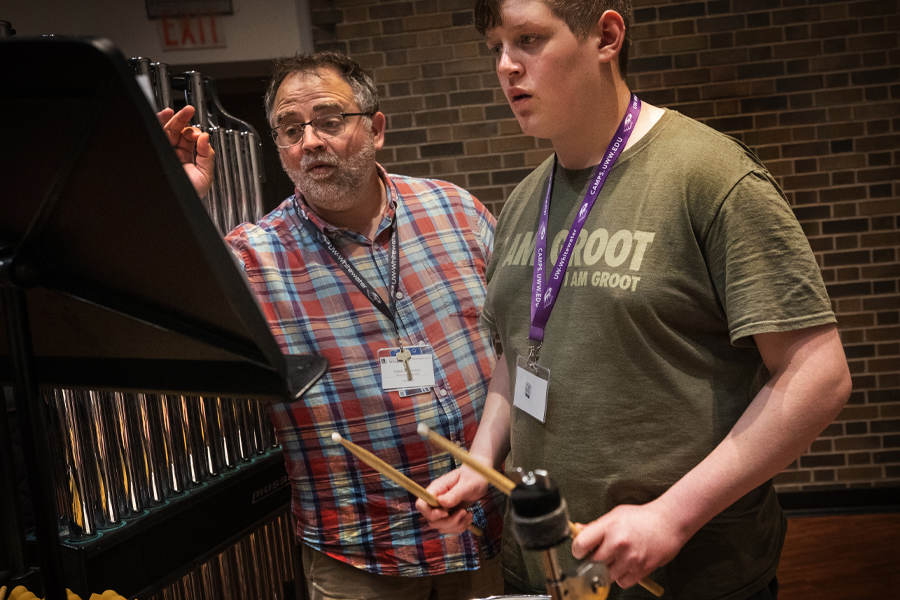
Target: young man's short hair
column 359, row 81
column 578, row 15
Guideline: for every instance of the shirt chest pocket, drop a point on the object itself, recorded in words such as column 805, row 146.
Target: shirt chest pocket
column 456, row 288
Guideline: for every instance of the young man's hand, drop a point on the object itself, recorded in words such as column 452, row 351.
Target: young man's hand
column 457, row 490
column 633, row 541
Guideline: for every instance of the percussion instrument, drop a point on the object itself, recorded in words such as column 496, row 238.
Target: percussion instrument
column 158, row 492
column 541, row 522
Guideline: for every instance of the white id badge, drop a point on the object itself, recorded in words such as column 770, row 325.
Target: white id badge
column 394, row 373
column 531, row 388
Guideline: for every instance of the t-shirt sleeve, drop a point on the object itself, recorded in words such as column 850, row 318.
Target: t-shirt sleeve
column 762, row 265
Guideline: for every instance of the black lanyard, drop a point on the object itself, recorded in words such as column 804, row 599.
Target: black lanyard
column 355, row 276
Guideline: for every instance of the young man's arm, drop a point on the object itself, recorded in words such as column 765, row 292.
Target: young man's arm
column 809, row 384
column 462, row 487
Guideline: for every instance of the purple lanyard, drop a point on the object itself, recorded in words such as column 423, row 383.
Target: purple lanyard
column 544, row 292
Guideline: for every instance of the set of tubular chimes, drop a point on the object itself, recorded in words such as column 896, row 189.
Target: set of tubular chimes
column 119, row 455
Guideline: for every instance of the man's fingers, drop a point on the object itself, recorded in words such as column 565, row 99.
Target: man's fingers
column 448, row 498
column 447, row 521
column 164, row 116
column 430, row 512
column 175, row 125
column 443, row 483
column 205, row 155
column 456, row 522
column 183, row 117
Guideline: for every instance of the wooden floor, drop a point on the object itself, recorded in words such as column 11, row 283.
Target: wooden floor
column 845, row 557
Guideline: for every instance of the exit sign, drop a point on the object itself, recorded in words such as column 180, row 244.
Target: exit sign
column 195, row 32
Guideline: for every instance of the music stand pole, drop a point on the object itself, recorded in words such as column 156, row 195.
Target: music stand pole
column 34, row 438
column 12, row 538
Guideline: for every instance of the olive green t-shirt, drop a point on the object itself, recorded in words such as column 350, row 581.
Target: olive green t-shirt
column 689, row 251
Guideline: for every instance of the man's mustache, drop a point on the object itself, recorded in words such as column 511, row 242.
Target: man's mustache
column 320, row 158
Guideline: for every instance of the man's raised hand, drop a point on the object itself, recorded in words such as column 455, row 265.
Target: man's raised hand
column 191, row 146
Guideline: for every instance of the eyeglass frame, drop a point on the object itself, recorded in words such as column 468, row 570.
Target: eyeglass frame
column 273, row 132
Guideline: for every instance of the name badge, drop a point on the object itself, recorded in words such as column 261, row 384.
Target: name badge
column 530, row 393
column 407, row 368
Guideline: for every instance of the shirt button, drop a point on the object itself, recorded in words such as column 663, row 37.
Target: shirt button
column 443, row 392
column 421, row 342
column 398, row 295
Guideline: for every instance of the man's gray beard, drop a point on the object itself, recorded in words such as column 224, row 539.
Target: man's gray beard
column 339, row 191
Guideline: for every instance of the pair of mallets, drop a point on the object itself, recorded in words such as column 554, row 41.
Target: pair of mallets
column 503, row 483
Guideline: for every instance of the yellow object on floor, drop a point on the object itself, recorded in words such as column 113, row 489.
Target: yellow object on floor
column 20, row 592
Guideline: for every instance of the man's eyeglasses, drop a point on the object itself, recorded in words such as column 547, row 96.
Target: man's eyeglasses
column 324, row 126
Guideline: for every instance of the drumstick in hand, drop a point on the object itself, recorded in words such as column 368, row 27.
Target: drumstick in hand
column 499, row 480
column 394, row 475
column 506, row 485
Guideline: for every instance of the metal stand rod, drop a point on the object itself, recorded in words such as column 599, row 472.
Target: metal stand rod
column 553, row 574
column 12, row 540
column 34, row 443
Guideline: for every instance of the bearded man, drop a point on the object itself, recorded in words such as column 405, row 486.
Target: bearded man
column 385, row 276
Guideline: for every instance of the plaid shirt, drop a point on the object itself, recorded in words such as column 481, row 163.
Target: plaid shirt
column 343, row 507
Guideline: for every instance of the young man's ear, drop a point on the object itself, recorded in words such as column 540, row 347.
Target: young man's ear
column 611, row 33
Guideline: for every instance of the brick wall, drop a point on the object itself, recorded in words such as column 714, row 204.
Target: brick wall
column 812, row 87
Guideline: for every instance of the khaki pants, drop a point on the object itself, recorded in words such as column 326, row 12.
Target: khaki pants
column 331, row 579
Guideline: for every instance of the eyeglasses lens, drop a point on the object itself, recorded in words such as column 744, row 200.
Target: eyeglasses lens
column 325, row 126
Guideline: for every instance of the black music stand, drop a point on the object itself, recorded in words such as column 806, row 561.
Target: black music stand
column 113, row 275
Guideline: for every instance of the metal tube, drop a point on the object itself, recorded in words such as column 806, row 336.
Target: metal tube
column 140, row 65
column 196, row 97
column 173, row 433
column 192, row 458
column 255, row 153
column 258, row 439
column 105, row 473
column 224, row 181
column 58, row 456
column 286, row 546
column 230, row 435
column 153, row 458
column 245, row 170
column 244, row 429
column 116, row 446
column 212, row 580
column 238, row 177
column 163, row 85
column 244, row 585
column 213, row 200
column 229, row 578
column 83, row 516
column 553, row 573
column 134, row 481
column 215, row 446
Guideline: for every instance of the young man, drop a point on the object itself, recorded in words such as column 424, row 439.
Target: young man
column 373, row 271
column 677, row 318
